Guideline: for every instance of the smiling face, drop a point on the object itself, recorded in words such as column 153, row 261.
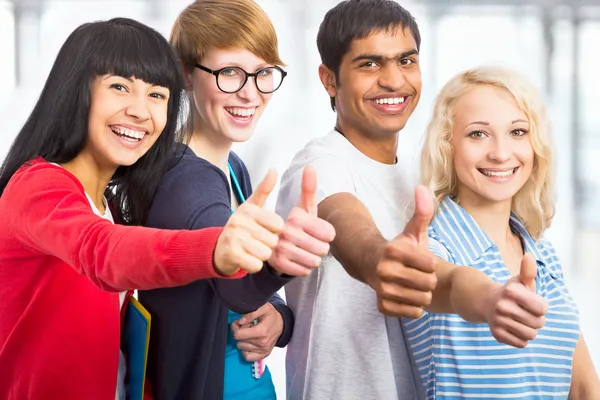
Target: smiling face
column 127, row 116
column 229, row 116
column 378, row 85
column 492, row 154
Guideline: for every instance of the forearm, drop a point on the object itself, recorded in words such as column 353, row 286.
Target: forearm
column 358, row 246
column 251, row 292
column 462, row 290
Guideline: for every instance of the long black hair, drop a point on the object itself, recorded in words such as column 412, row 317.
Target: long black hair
column 57, row 128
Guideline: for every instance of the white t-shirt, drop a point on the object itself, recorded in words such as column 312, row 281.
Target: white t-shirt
column 342, row 347
column 120, row 394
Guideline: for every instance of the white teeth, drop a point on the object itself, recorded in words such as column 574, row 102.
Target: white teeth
column 128, row 132
column 242, row 112
column 498, row 174
column 391, row 100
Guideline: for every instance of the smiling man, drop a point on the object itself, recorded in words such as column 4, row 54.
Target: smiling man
column 343, row 347
column 347, row 342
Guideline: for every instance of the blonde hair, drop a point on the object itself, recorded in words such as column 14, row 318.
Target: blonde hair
column 534, row 202
column 223, row 24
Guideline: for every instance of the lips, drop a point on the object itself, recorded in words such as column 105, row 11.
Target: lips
column 498, row 173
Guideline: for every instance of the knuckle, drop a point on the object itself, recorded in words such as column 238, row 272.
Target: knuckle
column 530, row 334
column 428, row 297
column 503, row 307
column 432, row 281
column 390, row 249
column 512, row 290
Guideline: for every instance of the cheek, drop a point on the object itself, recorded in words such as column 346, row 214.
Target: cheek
column 159, row 118
column 414, row 79
column 266, row 98
column 464, row 160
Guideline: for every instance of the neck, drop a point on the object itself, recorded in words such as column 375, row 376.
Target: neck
column 92, row 176
column 212, row 148
column 379, row 148
column 492, row 217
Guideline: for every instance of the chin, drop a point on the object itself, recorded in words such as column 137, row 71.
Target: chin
column 241, row 135
column 497, row 197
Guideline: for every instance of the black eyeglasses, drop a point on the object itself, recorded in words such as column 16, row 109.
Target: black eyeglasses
column 233, row 79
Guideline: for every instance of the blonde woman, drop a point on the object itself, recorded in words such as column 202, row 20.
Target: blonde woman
column 488, row 162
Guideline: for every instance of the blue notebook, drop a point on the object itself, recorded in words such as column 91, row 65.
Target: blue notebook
column 136, row 337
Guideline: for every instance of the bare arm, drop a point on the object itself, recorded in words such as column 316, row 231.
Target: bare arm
column 360, row 247
column 358, row 244
column 408, row 278
column 584, row 384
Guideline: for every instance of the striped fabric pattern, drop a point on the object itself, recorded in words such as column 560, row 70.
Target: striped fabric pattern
column 460, row 360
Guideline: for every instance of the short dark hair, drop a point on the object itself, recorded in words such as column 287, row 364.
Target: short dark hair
column 57, row 128
column 357, row 19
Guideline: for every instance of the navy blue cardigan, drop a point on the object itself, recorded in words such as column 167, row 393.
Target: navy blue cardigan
column 189, row 323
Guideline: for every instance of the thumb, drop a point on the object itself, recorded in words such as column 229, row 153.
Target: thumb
column 309, row 189
column 528, row 271
column 418, row 224
column 247, row 318
column 264, row 189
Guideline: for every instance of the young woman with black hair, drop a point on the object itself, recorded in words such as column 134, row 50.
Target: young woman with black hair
column 92, row 153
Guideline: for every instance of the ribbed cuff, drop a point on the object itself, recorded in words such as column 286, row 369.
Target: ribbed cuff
column 192, row 256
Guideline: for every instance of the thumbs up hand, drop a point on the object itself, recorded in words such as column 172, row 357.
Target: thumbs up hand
column 517, row 312
column 305, row 237
column 250, row 235
column 405, row 276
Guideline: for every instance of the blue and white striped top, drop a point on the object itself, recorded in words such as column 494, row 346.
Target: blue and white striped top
column 457, row 359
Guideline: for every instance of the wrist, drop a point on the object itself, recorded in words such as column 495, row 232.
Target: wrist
column 369, row 273
column 219, row 270
column 473, row 294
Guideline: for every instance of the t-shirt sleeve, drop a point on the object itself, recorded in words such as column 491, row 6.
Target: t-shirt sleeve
column 437, row 248
column 333, row 176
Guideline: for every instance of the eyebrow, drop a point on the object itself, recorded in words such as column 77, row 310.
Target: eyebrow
column 379, row 57
column 488, row 124
column 117, row 76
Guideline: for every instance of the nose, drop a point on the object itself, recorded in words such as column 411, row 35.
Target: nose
column 249, row 92
column 138, row 107
column 500, row 149
column 391, row 77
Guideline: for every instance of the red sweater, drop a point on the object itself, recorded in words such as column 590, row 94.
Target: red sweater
column 61, row 267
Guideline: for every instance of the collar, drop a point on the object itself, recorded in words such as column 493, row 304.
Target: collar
column 458, row 228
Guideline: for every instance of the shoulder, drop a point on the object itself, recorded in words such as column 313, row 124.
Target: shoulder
column 334, row 175
column 549, row 256
column 190, row 173
column 191, row 183
column 39, row 174
column 439, row 247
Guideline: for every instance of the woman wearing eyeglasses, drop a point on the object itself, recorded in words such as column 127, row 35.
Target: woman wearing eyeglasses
column 209, row 338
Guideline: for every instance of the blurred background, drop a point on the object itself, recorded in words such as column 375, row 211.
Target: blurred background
column 550, row 41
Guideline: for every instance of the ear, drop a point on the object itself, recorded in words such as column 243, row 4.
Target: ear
column 328, row 80
column 187, row 78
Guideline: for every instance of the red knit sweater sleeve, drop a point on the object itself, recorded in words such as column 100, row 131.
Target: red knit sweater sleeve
column 50, row 214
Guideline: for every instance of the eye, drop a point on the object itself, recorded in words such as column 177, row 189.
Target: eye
column 230, row 72
column 519, row 132
column 477, row 134
column 369, row 64
column 407, row 61
column 119, row 87
column 265, row 72
column 158, row 95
